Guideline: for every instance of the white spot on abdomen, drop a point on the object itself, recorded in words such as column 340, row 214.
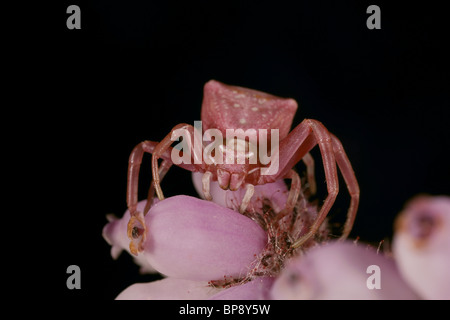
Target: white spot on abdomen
column 236, row 105
column 255, row 109
column 242, row 121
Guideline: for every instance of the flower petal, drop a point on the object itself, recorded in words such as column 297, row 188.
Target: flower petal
column 257, row 289
column 339, row 271
column 195, row 239
column 168, row 289
column 421, row 245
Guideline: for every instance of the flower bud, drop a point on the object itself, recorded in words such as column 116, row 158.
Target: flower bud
column 341, row 271
column 421, row 245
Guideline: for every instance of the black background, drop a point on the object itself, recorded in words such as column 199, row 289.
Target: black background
column 137, row 68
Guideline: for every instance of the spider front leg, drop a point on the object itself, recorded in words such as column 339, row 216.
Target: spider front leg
column 134, row 166
column 296, row 145
column 136, row 225
column 164, row 146
column 163, row 169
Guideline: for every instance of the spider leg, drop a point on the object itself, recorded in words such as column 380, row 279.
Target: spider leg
column 350, row 180
column 309, row 162
column 325, row 139
column 295, row 146
column 134, row 166
column 136, row 225
column 322, row 138
column 206, row 183
column 161, row 149
column 163, row 169
column 249, row 192
column 294, row 192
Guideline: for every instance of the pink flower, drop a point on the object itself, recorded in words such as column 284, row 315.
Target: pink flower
column 341, row 270
column 209, row 251
column 421, row 245
column 193, row 242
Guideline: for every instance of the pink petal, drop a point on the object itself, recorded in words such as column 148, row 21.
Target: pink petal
column 421, row 246
column 195, row 239
column 168, row 289
column 340, row 271
column 257, row 289
column 277, row 192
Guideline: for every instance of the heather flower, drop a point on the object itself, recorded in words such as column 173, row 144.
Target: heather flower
column 216, row 247
column 206, row 250
column 193, row 242
column 421, row 245
column 339, row 270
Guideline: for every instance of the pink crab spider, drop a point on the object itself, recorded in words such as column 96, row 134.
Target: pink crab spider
column 232, row 107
